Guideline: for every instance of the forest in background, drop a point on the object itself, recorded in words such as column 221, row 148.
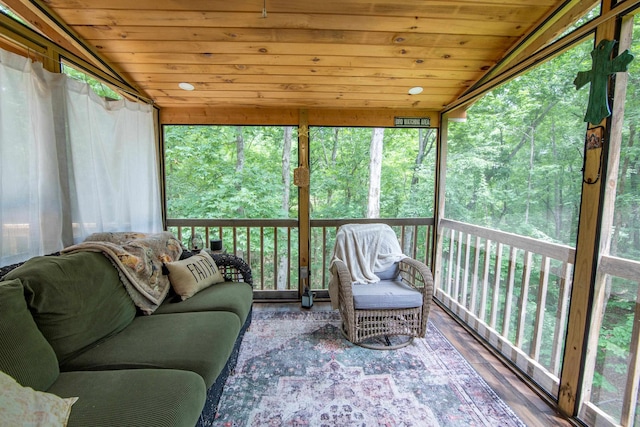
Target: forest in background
column 247, row 172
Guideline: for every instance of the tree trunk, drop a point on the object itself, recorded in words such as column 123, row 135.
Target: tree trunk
column 534, row 124
column 529, row 184
column 375, row 172
column 332, row 161
column 425, row 136
column 557, row 206
column 239, row 165
column 283, row 267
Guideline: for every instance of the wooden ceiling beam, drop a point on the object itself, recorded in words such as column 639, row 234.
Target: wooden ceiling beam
column 431, row 103
column 544, row 53
column 196, row 115
column 547, row 30
column 61, row 34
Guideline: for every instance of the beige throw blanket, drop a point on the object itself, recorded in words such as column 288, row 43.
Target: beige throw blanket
column 364, row 248
column 138, row 258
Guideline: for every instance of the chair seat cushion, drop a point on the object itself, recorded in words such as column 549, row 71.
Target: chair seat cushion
column 385, row 295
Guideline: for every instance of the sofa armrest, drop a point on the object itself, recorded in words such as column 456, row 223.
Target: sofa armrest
column 233, row 268
column 8, row 268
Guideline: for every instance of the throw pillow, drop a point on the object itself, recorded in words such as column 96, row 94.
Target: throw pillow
column 24, row 352
column 193, row 274
column 25, row 406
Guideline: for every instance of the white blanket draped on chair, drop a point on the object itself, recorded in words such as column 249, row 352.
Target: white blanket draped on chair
column 365, row 249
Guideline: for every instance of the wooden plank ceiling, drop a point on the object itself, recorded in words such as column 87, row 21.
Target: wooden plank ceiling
column 337, row 54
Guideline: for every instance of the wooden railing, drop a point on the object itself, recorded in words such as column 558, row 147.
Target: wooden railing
column 512, row 290
column 270, row 246
column 613, row 273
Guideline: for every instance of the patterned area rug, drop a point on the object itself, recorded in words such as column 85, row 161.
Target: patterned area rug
column 296, row 369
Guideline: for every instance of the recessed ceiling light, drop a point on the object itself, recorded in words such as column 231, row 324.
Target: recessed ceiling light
column 186, row 86
column 415, row 90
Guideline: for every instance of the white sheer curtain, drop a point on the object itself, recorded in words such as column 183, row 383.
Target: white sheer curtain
column 70, row 162
column 113, row 165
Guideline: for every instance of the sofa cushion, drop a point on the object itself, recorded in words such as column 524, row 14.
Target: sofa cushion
column 24, row 352
column 236, row 297
column 76, row 299
column 198, row 342
column 385, row 294
column 190, row 276
column 139, row 397
column 24, row 406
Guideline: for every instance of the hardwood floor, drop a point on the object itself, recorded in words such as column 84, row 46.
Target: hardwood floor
column 532, row 409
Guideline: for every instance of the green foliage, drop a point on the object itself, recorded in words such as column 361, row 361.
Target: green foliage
column 98, row 87
column 205, row 181
column 515, row 165
column 340, row 173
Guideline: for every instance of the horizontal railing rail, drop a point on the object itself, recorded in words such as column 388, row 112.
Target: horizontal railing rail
column 512, row 290
column 270, row 246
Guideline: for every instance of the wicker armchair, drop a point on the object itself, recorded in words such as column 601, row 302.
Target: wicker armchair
column 388, row 313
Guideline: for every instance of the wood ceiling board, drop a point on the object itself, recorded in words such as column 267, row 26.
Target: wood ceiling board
column 442, row 89
column 293, row 83
column 293, row 80
column 401, row 97
column 77, row 19
column 264, row 35
column 327, row 54
column 433, row 69
column 400, row 67
column 350, row 53
column 518, row 11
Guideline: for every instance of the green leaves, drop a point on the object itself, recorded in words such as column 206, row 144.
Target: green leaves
column 515, row 164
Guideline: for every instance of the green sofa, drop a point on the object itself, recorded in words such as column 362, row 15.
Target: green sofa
column 68, row 327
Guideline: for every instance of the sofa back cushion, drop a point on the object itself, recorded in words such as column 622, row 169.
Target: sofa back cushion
column 76, row 300
column 24, row 353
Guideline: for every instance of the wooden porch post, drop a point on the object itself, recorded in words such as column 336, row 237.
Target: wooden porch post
column 301, row 179
column 588, row 246
column 438, row 210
